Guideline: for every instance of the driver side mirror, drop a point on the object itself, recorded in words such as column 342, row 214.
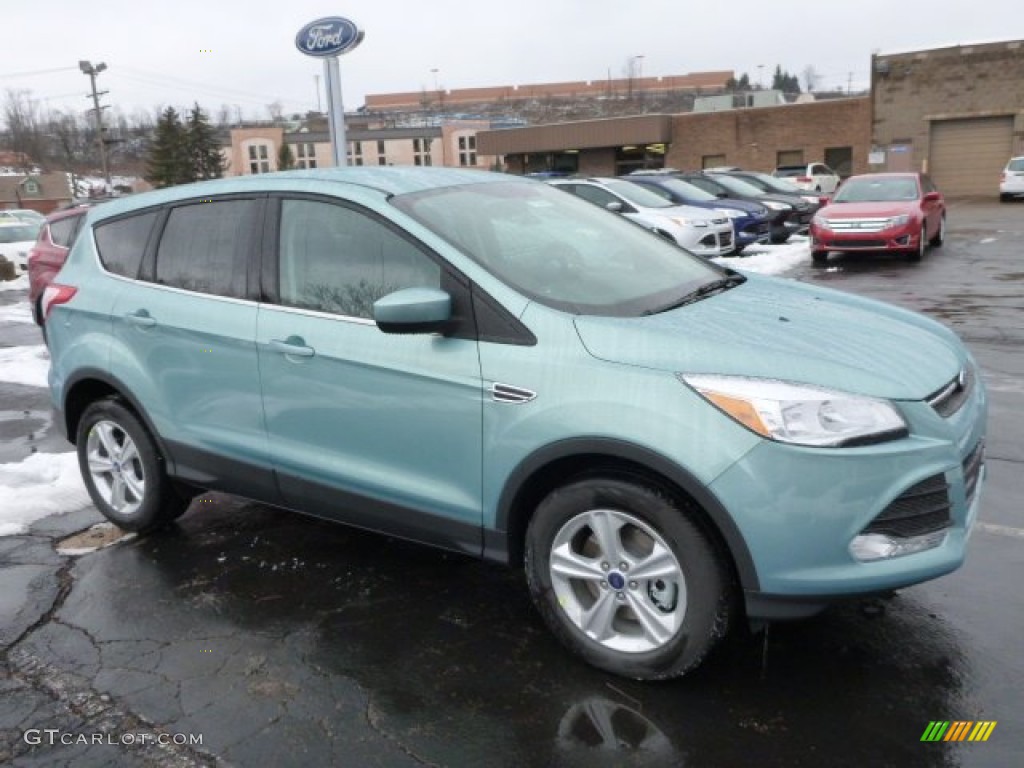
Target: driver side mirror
column 932, row 197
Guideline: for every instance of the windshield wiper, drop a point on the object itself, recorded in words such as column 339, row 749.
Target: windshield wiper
column 708, row 289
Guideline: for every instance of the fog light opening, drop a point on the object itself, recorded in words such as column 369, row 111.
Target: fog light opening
column 877, row 546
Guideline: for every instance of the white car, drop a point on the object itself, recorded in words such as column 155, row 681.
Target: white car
column 22, row 214
column 698, row 230
column 16, row 238
column 1012, row 183
column 814, row 177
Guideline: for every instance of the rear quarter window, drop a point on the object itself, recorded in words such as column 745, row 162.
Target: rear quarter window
column 62, row 231
column 121, row 243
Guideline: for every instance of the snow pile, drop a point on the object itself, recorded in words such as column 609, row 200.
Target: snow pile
column 16, row 313
column 770, row 259
column 44, row 484
column 17, row 284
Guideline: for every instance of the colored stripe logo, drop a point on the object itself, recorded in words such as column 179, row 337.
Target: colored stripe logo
column 958, row 730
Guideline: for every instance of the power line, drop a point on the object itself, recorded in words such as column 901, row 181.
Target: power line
column 12, row 75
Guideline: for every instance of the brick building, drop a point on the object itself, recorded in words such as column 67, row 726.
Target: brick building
column 957, row 113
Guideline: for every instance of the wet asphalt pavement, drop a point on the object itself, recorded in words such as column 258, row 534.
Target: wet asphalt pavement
column 282, row 640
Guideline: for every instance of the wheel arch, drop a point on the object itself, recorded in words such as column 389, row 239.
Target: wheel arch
column 92, row 384
column 553, row 465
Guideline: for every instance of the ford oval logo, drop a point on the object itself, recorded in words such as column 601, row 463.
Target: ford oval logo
column 331, row 36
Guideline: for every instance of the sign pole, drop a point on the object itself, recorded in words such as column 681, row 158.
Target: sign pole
column 336, row 111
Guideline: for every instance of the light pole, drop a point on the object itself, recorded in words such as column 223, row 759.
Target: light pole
column 88, row 69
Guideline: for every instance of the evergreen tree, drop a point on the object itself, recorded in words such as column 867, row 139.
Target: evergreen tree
column 168, row 162
column 285, row 158
column 204, row 156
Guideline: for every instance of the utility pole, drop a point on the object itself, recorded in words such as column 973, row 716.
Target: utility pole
column 88, row 69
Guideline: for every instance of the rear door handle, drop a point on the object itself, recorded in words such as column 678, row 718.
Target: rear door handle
column 140, row 318
column 293, row 346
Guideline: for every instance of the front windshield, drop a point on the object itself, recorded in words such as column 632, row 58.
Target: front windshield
column 19, row 234
column 637, row 195
column 772, row 184
column 687, row 191
column 877, row 189
column 559, row 250
column 738, row 187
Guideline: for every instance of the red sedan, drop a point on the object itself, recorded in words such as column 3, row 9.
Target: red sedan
column 48, row 255
column 899, row 212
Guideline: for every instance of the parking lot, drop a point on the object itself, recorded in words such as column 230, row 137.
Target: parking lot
column 282, row 640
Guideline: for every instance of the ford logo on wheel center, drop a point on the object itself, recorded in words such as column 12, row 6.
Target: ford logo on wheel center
column 331, row 36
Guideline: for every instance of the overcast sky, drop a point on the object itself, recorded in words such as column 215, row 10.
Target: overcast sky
column 156, row 50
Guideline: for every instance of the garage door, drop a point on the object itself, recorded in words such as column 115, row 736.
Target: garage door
column 967, row 156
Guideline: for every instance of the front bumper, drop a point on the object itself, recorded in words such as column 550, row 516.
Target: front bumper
column 799, row 532
column 905, row 238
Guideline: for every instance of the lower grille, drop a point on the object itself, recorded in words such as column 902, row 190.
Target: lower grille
column 922, row 508
column 844, row 243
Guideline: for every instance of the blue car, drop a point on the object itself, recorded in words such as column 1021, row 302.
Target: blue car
column 485, row 363
column 751, row 221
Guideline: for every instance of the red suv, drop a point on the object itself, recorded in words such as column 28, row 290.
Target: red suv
column 47, row 256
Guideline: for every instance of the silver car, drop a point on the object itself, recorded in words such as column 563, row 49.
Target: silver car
column 699, row 230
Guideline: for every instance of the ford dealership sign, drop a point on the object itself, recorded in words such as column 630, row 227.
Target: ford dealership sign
column 331, row 36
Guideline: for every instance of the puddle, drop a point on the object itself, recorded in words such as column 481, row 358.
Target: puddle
column 99, row 536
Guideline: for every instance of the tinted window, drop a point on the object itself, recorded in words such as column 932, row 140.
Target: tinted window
column 121, row 243
column 62, row 231
column 204, row 246
column 339, row 260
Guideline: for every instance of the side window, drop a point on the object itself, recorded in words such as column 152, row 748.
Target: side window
column 121, row 243
column 204, row 246
column 339, row 260
column 62, row 230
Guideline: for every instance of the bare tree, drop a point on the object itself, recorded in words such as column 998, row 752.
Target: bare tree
column 810, row 78
column 23, row 126
column 276, row 111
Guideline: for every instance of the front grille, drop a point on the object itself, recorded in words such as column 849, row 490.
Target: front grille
column 726, row 238
column 843, row 243
column 857, row 225
column 951, row 397
column 972, row 471
column 922, row 508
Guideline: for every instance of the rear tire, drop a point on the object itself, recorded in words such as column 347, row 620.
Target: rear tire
column 626, row 579
column 1003, row 198
column 123, row 470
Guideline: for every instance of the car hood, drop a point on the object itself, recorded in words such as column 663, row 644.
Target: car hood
column 867, row 210
column 778, row 329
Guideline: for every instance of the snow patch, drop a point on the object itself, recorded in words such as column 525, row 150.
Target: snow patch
column 769, row 259
column 16, row 313
column 25, row 365
column 19, row 283
column 44, row 484
column 987, row 240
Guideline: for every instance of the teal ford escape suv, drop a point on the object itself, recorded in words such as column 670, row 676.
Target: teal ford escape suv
column 484, row 363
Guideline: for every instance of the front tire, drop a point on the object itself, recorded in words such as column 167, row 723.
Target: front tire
column 123, row 470
column 626, row 579
column 940, row 236
column 922, row 243
column 819, row 257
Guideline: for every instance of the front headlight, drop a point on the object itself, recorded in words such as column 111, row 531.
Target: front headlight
column 691, row 222
column 898, row 221
column 798, row 413
column 821, row 222
column 777, row 206
column 732, row 213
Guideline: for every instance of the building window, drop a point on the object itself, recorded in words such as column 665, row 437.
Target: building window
column 712, row 161
column 421, row 152
column 31, row 187
column 382, row 157
column 355, row 153
column 259, row 158
column 305, row 156
column 789, row 157
column 467, row 150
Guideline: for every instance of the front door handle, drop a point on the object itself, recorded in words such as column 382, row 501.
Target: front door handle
column 140, row 318
column 293, row 346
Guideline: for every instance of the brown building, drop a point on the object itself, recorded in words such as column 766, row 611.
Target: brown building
column 956, row 112
column 43, row 192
